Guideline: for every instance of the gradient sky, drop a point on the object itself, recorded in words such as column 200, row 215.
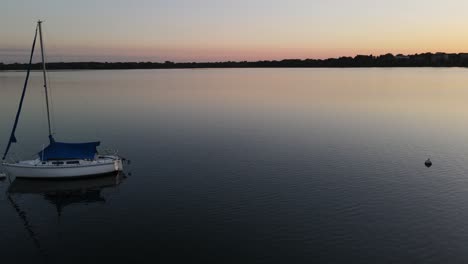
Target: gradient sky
column 218, row 30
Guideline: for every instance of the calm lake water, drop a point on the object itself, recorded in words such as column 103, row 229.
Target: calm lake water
column 245, row 166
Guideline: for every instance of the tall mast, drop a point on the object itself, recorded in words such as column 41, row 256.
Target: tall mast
column 39, row 23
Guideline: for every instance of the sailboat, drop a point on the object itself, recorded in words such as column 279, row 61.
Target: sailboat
column 58, row 159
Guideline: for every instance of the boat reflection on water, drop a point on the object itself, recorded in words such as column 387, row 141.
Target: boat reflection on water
column 60, row 193
column 70, row 191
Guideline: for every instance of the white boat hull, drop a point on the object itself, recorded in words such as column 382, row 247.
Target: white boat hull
column 33, row 169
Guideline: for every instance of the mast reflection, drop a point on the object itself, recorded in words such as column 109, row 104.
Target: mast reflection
column 60, row 193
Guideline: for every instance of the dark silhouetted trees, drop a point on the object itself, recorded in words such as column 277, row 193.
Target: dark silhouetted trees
column 387, row 60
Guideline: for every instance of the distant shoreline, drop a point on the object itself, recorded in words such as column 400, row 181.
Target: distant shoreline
column 360, row 61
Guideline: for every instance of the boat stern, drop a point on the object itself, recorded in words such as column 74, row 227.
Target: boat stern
column 118, row 165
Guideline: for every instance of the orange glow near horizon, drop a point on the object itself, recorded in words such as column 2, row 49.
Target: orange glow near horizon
column 222, row 30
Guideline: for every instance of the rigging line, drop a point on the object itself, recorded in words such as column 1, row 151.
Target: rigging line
column 43, row 125
column 52, row 112
column 43, row 113
column 45, row 77
column 12, row 135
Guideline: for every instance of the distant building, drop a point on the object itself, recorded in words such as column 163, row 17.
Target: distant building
column 463, row 57
column 439, row 57
column 402, row 57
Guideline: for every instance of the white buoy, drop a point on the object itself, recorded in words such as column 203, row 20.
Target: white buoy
column 428, row 163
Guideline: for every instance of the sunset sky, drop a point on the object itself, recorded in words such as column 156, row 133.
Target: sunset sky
column 219, row 30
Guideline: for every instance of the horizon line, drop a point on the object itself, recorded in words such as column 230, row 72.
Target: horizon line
column 249, row 61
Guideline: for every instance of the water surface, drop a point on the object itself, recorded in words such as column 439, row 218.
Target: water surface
column 246, row 166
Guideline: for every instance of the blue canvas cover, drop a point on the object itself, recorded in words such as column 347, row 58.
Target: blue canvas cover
column 61, row 151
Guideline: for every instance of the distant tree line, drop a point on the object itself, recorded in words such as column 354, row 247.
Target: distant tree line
column 387, row 60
